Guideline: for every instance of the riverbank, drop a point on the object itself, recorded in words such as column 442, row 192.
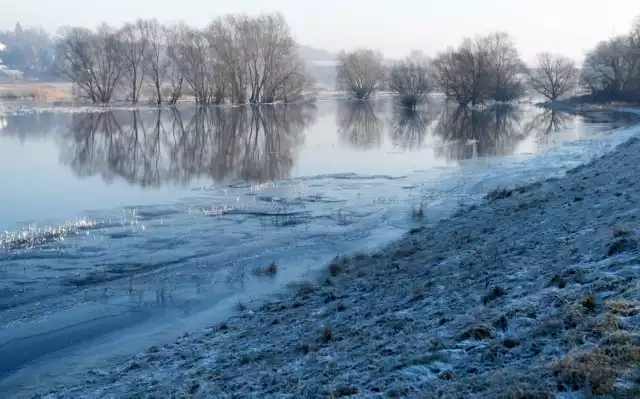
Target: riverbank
column 531, row 294
column 586, row 103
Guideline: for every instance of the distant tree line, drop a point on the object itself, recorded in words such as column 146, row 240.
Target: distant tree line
column 242, row 59
column 490, row 69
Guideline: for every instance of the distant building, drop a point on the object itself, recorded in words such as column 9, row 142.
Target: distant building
column 2, row 46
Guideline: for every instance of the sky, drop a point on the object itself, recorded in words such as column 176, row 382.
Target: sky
column 569, row 27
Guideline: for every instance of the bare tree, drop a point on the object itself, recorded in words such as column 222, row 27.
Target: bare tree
column 464, row 74
column 226, row 41
column 506, row 67
column 91, row 61
column 135, row 42
column 634, row 55
column 553, row 75
column 408, row 80
column 283, row 74
column 610, row 70
column 297, row 85
column 447, row 75
column 175, row 69
column 196, row 64
column 156, row 60
column 360, row 72
column 258, row 57
column 481, row 69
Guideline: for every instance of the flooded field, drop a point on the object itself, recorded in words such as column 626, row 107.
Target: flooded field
column 122, row 228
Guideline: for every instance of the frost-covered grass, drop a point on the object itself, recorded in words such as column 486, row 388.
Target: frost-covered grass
column 534, row 294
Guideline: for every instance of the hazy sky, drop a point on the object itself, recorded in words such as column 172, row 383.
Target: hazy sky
column 394, row 27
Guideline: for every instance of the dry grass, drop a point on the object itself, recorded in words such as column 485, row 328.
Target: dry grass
column 596, row 369
column 609, row 323
column 591, row 370
column 35, row 91
column 613, row 356
column 624, row 308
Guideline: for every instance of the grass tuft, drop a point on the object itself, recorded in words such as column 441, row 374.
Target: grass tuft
column 328, row 334
column 624, row 308
column 335, row 269
column 270, row 270
column 495, row 293
column 588, row 302
column 344, row 391
column 619, row 232
column 596, row 369
column 499, row 193
column 417, row 213
column 478, row 332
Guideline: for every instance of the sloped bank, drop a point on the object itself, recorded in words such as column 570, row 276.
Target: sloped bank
column 532, row 294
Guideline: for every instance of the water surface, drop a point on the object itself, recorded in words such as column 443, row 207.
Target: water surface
column 126, row 227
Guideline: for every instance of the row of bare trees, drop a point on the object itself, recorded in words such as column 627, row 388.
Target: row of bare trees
column 237, row 59
column 487, row 68
column 490, row 69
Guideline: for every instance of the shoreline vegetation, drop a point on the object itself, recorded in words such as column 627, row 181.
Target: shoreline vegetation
column 255, row 59
column 59, row 95
column 533, row 293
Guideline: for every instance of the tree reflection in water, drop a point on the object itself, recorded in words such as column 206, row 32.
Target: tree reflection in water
column 358, row 124
column 168, row 146
column 408, row 128
column 549, row 121
column 464, row 133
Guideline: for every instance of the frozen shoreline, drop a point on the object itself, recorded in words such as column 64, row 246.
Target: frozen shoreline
column 493, row 302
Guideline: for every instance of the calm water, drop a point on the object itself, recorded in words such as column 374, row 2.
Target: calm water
column 127, row 227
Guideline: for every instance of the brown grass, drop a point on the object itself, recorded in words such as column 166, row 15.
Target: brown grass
column 35, row 91
column 609, row 323
column 596, row 369
column 624, row 308
column 592, row 370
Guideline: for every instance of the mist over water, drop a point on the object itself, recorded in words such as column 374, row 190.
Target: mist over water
column 113, row 220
